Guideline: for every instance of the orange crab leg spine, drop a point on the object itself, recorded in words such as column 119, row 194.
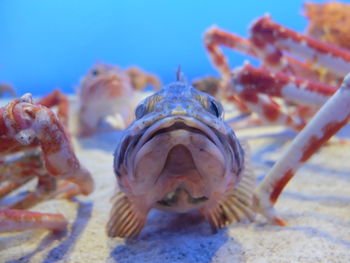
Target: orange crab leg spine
column 330, row 119
column 12, row 220
column 212, row 39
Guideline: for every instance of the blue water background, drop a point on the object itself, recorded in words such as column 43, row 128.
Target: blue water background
column 48, row 44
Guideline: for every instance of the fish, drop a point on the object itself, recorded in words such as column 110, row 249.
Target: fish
column 179, row 155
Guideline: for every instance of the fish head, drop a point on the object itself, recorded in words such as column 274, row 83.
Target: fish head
column 99, row 90
column 178, row 153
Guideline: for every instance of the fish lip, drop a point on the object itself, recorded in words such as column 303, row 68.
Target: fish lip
column 177, row 126
column 188, row 121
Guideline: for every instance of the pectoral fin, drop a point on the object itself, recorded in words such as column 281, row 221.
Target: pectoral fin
column 237, row 205
column 125, row 219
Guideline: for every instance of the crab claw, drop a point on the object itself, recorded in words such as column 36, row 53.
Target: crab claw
column 40, row 123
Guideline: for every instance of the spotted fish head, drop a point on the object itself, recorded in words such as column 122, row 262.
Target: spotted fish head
column 179, row 153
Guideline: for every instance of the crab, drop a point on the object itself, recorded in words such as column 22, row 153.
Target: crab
column 208, row 84
column 304, row 85
column 34, row 144
column 312, row 83
column 329, row 22
column 331, row 117
column 58, row 99
column 106, row 97
column 6, row 88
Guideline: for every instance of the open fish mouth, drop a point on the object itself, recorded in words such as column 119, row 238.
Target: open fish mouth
column 174, row 153
column 173, row 198
column 178, row 126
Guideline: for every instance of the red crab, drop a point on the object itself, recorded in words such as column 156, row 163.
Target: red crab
column 312, row 83
column 307, row 83
column 329, row 22
column 35, row 144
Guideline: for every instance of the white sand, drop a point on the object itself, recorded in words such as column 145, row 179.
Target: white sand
column 316, row 205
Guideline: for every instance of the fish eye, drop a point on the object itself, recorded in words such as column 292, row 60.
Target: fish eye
column 95, row 72
column 215, row 108
column 140, row 111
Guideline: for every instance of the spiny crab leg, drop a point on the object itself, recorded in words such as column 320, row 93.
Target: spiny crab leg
column 330, row 118
column 57, row 98
column 46, row 185
column 12, row 220
column 268, row 109
column 270, row 41
column 11, row 186
column 246, row 101
column 266, row 34
column 18, row 170
column 291, row 88
column 140, row 79
column 215, row 37
column 248, row 82
column 212, row 41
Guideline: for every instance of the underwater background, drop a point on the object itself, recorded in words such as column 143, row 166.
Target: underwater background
column 51, row 44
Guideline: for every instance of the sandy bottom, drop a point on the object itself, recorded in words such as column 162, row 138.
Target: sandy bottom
column 316, row 205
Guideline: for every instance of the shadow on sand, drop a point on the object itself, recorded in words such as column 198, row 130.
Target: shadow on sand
column 313, row 232
column 106, row 141
column 69, row 238
column 175, row 238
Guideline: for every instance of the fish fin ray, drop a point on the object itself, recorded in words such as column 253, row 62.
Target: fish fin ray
column 237, row 205
column 125, row 222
